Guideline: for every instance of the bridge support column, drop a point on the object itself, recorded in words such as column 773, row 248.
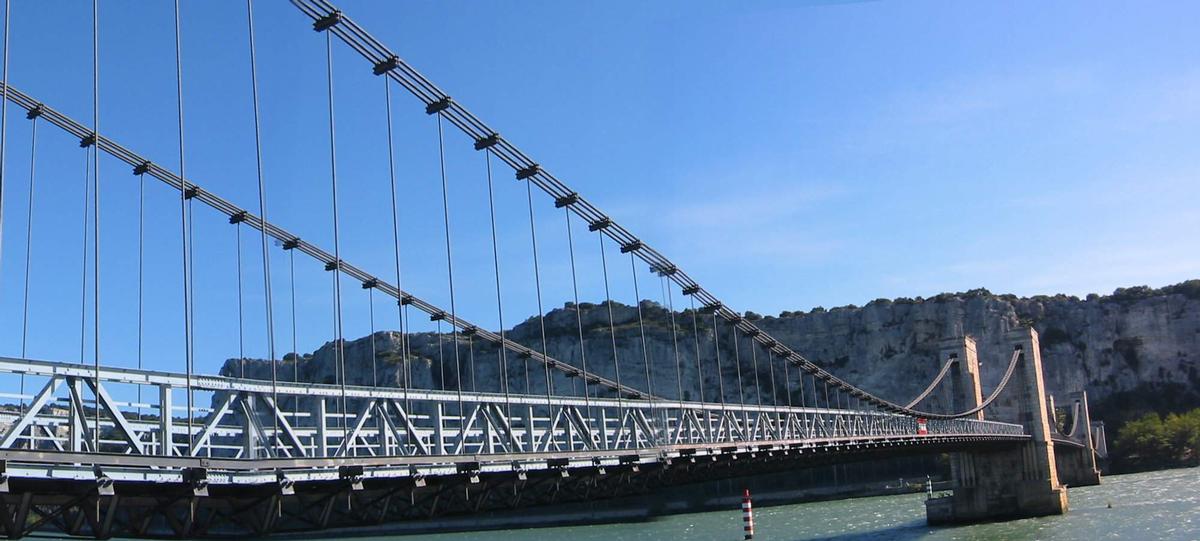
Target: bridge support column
column 1020, row 481
column 1077, row 466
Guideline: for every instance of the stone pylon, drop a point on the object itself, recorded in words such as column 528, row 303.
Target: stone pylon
column 1077, row 466
column 1017, row 480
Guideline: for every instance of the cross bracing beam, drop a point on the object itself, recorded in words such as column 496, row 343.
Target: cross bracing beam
column 143, row 165
column 386, row 62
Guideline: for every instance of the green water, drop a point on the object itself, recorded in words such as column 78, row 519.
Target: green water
column 1156, row 505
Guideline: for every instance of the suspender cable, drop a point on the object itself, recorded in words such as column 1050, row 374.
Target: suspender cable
column 268, row 294
column 340, row 347
column 537, row 282
column 450, row 271
column 501, row 352
column 471, row 359
column 737, row 362
column 83, row 260
column 675, row 344
column 371, row 318
column 4, row 120
column 401, row 306
column 612, row 332
column 29, row 258
column 774, row 386
column 295, row 354
column 578, row 314
column 96, row 210
column 669, row 299
column 185, row 229
column 754, row 359
column 801, row 385
column 787, row 383
column 441, row 357
column 141, row 273
column 637, row 298
column 696, row 341
column 717, row 356
column 240, row 316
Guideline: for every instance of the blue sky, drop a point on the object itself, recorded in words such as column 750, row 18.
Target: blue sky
column 786, row 154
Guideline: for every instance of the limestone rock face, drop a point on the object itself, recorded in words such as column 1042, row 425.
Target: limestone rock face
column 1134, row 340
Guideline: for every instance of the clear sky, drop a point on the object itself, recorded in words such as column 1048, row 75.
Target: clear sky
column 786, row 154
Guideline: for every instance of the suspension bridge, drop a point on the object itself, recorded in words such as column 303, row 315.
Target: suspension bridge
column 161, row 443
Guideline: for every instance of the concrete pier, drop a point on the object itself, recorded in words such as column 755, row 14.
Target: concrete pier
column 1014, row 482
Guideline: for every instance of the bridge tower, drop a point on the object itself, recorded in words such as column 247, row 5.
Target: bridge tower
column 1011, row 481
column 1077, row 466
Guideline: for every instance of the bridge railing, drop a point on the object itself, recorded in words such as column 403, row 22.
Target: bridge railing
column 251, row 419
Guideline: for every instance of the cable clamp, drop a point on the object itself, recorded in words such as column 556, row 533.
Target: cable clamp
column 602, row 223
column 713, row 307
column 388, row 64
column 333, row 265
column 438, row 106
column 487, row 142
column 439, row 316
column 328, row 21
column 291, row 244
column 691, row 290
column 661, row 270
column 191, row 191
column 238, row 217
column 527, row 172
column 88, row 140
column 34, row 112
column 370, row 283
column 142, row 168
column 405, row 300
column 632, row 247
column 566, row 200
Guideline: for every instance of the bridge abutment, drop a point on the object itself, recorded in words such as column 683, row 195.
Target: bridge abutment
column 1011, row 482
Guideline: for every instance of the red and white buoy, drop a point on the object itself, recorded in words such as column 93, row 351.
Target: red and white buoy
column 747, row 515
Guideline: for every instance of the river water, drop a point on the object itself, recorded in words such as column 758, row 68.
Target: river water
column 1155, row 505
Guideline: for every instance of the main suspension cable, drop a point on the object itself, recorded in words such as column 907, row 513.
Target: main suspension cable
column 933, row 384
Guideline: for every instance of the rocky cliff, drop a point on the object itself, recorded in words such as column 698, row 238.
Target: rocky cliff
column 1132, row 351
